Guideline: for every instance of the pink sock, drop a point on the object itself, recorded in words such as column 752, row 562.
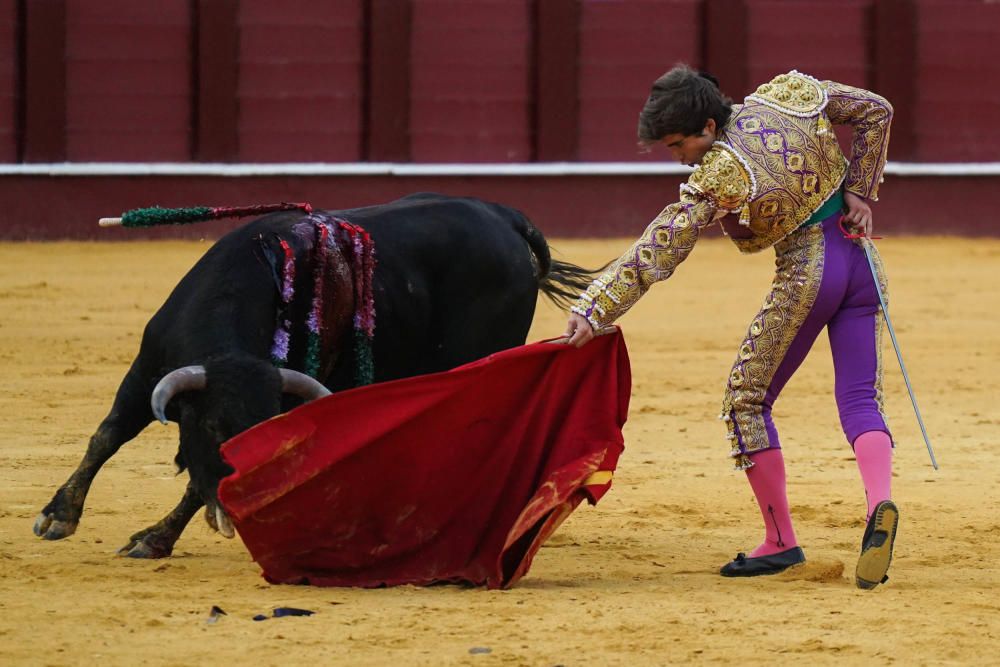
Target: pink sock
column 874, row 453
column 767, row 479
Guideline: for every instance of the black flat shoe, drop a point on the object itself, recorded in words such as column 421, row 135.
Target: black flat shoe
column 742, row 566
column 876, row 546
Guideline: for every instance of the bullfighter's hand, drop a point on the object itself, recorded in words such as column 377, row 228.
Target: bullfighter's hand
column 858, row 216
column 579, row 330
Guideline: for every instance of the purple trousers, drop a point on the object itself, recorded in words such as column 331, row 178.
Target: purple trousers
column 822, row 280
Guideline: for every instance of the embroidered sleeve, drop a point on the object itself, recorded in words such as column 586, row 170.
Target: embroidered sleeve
column 719, row 185
column 665, row 244
column 870, row 115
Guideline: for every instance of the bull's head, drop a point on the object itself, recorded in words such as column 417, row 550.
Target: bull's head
column 217, row 401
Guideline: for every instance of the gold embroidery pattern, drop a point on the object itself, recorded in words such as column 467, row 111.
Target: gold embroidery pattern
column 771, row 332
column 797, row 169
column 871, row 117
column 722, row 179
column 781, row 135
column 720, row 182
column 879, row 330
column 792, row 93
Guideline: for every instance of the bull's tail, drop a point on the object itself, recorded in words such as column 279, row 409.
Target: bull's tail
column 562, row 282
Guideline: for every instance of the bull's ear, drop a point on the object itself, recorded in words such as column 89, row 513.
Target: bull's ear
column 301, row 385
column 188, row 378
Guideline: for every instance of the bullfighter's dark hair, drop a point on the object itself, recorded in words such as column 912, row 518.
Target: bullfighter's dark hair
column 681, row 101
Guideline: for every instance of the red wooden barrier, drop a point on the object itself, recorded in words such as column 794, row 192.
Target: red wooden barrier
column 128, row 80
column 957, row 96
column 624, row 47
column 215, row 43
column 457, row 81
column 43, row 207
column 828, row 40
column 557, row 80
column 300, row 89
column 43, row 66
column 387, row 88
column 470, row 86
column 9, row 83
column 453, row 80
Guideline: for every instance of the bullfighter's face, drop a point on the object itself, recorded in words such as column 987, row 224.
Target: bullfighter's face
column 689, row 149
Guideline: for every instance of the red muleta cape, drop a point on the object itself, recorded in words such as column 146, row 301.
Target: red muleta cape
column 450, row 477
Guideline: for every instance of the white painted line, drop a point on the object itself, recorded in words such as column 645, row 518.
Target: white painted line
column 244, row 170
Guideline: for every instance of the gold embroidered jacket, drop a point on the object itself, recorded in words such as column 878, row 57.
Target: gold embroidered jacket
column 775, row 163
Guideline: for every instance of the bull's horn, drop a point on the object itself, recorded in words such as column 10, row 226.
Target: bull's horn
column 223, row 523
column 301, row 385
column 189, row 378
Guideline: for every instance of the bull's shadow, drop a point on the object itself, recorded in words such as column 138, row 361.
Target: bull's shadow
column 280, row 301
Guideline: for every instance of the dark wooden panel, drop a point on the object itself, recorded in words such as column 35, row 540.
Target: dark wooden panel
column 557, row 79
column 624, row 47
column 957, row 81
column 216, row 71
column 895, row 70
column 44, row 133
column 470, row 86
column 387, row 88
column 128, row 80
column 455, row 80
column 10, row 80
column 726, row 46
column 828, row 40
column 300, row 81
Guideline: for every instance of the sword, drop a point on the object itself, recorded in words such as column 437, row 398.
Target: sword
column 867, row 244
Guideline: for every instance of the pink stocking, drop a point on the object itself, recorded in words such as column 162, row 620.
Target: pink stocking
column 874, row 453
column 767, row 479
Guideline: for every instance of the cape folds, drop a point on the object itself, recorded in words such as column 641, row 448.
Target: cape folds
column 450, row 477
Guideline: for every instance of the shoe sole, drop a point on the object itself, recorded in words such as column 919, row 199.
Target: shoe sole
column 762, row 574
column 873, row 564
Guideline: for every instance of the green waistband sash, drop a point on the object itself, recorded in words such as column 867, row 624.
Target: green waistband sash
column 833, row 204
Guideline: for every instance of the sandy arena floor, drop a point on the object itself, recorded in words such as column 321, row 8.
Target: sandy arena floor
column 630, row 582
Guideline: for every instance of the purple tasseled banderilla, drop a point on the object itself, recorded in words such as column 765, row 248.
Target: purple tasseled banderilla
column 282, row 335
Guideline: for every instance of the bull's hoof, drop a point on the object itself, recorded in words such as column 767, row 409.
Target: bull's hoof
column 49, row 528
column 146, row 546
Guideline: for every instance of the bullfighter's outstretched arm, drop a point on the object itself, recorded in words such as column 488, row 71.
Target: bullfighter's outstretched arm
column 719, row 186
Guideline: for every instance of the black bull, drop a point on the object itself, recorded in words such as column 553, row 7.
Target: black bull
column 455, row 280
